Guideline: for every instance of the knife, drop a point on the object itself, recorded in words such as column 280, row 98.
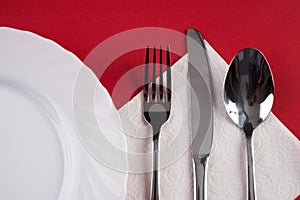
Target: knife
column 201, row 109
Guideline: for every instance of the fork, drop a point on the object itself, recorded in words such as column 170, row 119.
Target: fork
column 156, row 107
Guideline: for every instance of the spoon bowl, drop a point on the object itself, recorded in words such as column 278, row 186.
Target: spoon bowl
column 248, row 98
column 249, row 88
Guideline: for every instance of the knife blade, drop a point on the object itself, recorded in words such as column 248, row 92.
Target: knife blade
column 201, row 108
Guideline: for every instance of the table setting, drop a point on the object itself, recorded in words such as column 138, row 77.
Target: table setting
column 228, row 151
column 148, row 108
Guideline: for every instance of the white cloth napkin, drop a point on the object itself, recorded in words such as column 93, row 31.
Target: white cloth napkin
column 276, row 149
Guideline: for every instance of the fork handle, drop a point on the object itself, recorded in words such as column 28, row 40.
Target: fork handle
column 155, row 187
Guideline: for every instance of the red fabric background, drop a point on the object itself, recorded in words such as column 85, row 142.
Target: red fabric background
column 271, row 26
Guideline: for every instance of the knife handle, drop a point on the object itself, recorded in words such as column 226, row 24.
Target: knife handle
column 201, row 177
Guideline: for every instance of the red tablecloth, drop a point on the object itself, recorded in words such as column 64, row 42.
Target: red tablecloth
column 271, row 26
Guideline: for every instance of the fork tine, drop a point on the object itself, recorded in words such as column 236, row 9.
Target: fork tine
column 154, row 74
column 146, row 75
column 160, row 75
column 169, row 81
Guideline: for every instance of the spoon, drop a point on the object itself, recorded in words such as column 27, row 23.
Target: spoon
column 248, row 98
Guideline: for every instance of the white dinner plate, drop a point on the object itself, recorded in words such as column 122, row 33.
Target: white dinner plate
column 43, row 149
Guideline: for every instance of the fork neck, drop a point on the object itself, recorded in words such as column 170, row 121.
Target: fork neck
column 157, row 119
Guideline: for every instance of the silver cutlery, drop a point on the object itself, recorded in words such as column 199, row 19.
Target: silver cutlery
column 248, row 98
column 156, row 107
column 201, row 109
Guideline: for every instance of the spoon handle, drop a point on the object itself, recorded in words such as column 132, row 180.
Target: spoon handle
column 251, row 172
